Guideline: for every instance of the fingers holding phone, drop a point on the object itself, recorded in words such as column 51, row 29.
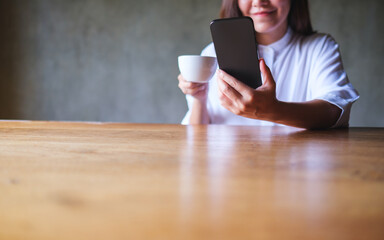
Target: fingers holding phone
column 245, row 101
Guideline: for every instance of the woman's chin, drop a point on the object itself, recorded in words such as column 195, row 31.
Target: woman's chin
column 263, row 30
column 267, row 27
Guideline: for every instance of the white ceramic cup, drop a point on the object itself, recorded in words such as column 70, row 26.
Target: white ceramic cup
column 196, row 68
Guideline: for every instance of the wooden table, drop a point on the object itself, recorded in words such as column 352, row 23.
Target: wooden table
column 141, row 181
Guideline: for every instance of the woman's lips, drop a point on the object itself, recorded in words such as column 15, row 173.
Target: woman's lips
column 263, row 13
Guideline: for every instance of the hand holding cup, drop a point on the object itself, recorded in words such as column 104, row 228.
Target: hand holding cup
column 196, row 71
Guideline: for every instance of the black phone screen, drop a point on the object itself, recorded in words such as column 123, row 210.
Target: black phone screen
column 236, row 49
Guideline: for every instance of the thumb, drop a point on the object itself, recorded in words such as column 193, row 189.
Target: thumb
column 266, row 73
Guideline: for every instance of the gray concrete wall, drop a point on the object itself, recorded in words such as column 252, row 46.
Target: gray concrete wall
column 116, row 60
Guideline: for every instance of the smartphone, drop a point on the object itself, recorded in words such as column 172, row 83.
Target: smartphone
column 236, row 49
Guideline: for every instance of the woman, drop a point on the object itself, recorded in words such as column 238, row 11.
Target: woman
column 304, row 83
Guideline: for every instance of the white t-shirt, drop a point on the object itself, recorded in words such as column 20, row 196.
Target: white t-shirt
column 304, row 68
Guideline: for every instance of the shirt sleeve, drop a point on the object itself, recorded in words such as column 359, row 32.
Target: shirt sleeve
column 328, row 80
column 187, row 116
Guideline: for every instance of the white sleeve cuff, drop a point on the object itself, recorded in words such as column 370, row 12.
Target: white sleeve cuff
column 344, row 105
column 187, row 117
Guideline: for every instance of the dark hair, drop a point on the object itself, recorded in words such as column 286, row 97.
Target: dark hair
column 298, row 18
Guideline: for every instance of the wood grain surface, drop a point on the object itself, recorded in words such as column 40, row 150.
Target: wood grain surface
column 73, row 180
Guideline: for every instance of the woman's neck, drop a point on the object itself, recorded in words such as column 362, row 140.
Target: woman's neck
column 272, row 36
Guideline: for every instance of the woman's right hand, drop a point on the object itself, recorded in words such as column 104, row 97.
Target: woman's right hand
column 196, row 90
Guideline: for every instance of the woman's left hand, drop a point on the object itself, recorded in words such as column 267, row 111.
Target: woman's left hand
column 260, row 103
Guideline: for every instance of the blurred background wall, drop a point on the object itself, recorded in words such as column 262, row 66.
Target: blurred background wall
column 116, row 60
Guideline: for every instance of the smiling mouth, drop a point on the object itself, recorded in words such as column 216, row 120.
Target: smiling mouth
column 264, row 13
